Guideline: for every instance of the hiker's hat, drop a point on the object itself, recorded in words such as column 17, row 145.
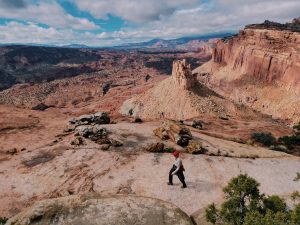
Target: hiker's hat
column 176, row 153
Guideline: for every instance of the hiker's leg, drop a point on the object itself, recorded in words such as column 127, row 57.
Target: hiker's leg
column 181, row 178
column 171, row 176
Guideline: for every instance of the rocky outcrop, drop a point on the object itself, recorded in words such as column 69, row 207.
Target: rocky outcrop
column 259, row 67
column 92, row 210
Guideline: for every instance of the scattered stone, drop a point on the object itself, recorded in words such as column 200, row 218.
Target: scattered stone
column 69, row 128
column 85, row 131
column 197, row 124
column 147, row 77
column 104, row 147
column 77, row 141
column 155, row 147
column 86, row 118
column 23, row 149
column 116, row 143
column 97, row 118
column 12, row 151
column 101, row 118
column 182, row 140
column 41, row 107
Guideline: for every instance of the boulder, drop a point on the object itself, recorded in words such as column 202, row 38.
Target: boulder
column 104, row 147
column 182, row 140
column 101, row 118
column 41, row 107
column 161, row 133
column 69, row 128
column 85, row 131
column 96, row 210
column 77, row 141
column 86, row 118
column 195, row 147
column 197, row 124
column 12, row 151
column 155, row 147
column 176, row 128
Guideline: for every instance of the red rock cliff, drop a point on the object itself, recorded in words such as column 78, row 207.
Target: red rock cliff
column 259, row 67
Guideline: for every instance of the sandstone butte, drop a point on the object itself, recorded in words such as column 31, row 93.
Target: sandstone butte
column 260, row 68
column 181, row 97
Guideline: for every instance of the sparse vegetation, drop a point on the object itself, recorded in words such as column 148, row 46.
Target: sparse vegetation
column 266, row 139
column 292, row 142
column 295, row 195
column 245, row 205
column 3, row 220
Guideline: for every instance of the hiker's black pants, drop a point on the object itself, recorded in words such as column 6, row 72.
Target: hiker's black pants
column 179, row 174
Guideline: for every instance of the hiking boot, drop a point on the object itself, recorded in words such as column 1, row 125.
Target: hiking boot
column 170, row 183
column 183, row 186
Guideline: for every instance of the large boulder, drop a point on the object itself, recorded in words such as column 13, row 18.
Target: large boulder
column 175, row 131
column 195, row 147
column 155, row 147
column 97, row 118
column 101, row 118
column 96, row 210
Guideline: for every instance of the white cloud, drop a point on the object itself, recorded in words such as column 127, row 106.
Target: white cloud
column 162, row 19
column 50, row 13
column 133, row 10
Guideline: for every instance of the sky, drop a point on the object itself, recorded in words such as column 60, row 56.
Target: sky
column 115, row 22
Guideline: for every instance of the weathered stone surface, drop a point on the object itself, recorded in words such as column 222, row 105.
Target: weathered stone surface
column 94, row 210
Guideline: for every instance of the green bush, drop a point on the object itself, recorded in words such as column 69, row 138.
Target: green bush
column 266, row 139
column 3, row 220
column 244, row 205
column 290, row 141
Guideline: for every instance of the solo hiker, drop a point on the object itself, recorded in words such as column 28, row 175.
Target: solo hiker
column 177, row 169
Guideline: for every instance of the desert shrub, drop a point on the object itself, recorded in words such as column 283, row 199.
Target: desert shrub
column 3, row 220
column 266, row 139
column 244, row 205
column 290, row 141
column 296, row 128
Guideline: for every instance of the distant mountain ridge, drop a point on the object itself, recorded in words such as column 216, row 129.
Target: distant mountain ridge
column 158, row 43
column 154, row 43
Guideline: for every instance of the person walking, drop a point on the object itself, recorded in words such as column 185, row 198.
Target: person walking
column 177, row 169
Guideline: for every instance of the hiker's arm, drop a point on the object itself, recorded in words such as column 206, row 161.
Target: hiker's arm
column 177, row 167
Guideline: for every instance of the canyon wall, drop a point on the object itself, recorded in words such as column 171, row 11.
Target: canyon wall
column 259, row 67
